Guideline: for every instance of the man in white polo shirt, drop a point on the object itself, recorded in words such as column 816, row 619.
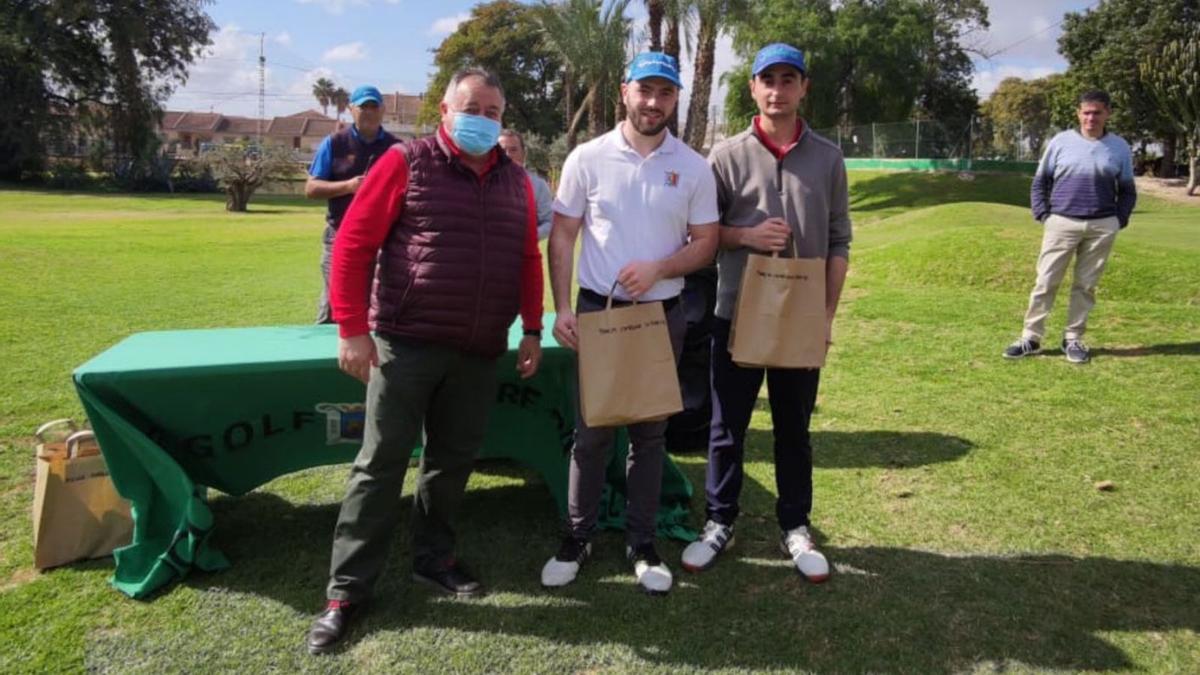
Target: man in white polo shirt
column 647, row 205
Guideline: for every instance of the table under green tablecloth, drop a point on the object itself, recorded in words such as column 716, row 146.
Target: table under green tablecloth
column 176, row 412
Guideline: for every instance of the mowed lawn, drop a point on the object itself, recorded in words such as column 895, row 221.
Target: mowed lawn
column 955, row 491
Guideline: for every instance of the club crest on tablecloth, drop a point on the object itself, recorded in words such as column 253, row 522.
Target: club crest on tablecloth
column 343, row 422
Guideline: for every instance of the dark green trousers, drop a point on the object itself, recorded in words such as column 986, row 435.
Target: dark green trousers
column 416, row 384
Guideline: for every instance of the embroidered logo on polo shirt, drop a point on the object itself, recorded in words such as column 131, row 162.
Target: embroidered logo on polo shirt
column 672, row 179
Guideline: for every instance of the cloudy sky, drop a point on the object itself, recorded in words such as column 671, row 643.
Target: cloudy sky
column 388, row 43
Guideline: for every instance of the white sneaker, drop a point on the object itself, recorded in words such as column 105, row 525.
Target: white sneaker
column 564, row 566
column 702, row 553
column 652, row 575
column 810, row 562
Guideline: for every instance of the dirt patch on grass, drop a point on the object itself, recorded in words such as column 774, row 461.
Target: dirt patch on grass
column 19, row 578
column 1171, row 189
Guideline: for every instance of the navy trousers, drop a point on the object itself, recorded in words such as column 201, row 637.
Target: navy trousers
column 793, row 394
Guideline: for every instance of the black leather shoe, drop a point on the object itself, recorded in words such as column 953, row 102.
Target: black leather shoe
column 329, row 628
column 453, row 580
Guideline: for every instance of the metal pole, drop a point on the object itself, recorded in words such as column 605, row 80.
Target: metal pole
column 874, row 143
column 917, row 150
column 262, row 84
column 970, row 141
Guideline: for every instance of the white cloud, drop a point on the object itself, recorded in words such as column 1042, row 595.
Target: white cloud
column 284, row 38
column 351, row 51
column 986, row 81
column 335, row 6
column 303, row 85
column 448, row 24
column 225, row 77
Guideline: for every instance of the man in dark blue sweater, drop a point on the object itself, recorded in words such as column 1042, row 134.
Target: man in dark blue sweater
column 1083, row 193
column 337, row 171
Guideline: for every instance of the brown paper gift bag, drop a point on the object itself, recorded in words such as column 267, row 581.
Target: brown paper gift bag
column 779, row 319
column 77, row 512
column 626, row 365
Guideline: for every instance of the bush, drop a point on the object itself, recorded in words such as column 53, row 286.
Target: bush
column 192, row 177
column 69, row 176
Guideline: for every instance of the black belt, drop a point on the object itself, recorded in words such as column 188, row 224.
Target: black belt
column 602, row 300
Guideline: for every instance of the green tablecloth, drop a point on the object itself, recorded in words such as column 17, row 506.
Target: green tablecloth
column 178, row 411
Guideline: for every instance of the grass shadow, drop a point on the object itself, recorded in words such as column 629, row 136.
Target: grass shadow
column 1178, row 349
column 885, row 609
column 860, row 449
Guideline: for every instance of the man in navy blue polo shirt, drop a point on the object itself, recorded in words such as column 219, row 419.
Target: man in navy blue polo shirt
column 338, row 168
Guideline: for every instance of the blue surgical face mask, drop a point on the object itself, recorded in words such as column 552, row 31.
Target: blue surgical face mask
column 475, row 134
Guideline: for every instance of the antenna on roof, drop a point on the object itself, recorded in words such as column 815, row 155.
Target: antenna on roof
column 262, row 85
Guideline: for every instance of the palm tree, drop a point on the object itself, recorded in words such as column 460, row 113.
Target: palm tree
column 676, row 13
column 655, row 9
column 323, row 90
column 340, row 99
column 591, row 36
column 714, row 15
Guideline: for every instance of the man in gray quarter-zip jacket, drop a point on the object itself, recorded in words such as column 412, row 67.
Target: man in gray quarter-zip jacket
column 776, row 181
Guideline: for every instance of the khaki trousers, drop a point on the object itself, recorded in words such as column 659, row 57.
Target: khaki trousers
column 1090, row 242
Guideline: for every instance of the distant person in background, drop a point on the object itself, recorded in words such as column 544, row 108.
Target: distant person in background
column 1083, row 192
column 337, row 171
column 514, row 146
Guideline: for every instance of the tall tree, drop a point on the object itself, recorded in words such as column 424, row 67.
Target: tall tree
column 116, row 60
column 1104, row 46
column 946, row 94
column 1019, row 112
column 866, row 57
column 1172, row 77
column 591, row 36
column 323, row 90
column 504, row 37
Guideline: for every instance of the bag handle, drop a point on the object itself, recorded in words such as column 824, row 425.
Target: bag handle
column 613, row 289
column 53, row 424
column 795, row 249
column 75, row 439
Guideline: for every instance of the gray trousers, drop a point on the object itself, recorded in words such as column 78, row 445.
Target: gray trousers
column 324, row 313
column 451, row 394
column 643, row 466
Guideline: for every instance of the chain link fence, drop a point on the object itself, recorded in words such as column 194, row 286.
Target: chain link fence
column 929, row 139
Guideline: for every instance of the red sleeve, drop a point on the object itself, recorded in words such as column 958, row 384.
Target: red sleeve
column 531, row 267
column 364, row 228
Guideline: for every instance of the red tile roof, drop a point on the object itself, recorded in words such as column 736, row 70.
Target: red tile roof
column 308, row 123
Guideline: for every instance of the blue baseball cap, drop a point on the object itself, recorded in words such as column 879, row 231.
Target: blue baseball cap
column 364, row 94
column 778, row 53
column 654, row 64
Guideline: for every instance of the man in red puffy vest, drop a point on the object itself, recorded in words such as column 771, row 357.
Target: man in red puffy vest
column 453, row 224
